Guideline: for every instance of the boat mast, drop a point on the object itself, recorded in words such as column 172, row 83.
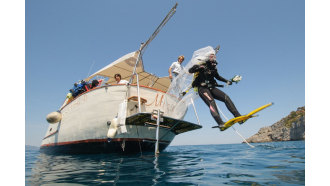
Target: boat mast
column 144, row 45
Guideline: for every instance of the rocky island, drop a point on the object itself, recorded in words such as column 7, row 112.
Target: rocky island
column 289, row 128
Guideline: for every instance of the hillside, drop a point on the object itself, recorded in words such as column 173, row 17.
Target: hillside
column 289, row 128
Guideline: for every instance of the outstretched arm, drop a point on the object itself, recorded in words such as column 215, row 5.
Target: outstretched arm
column 220, row 78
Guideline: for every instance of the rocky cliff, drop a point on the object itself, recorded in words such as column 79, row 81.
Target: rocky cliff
column 289, row 128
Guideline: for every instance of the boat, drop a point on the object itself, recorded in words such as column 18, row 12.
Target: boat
column 139, row 116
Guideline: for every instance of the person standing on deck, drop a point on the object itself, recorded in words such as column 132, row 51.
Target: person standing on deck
column 176, row 67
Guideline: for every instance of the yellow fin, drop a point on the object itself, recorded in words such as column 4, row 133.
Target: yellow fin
column 243, row 118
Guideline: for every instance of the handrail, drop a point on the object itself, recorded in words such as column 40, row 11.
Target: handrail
column 138, row 91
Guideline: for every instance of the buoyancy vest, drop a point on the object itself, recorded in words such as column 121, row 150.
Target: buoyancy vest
column 204, row 74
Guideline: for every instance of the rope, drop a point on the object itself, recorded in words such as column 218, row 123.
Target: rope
column 235, row 129
column 192, row 101
column 242, row 137
column 90, row 69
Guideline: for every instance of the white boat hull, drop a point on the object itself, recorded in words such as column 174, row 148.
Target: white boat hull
column 85, row 122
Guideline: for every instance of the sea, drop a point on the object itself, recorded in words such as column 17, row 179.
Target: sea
column 275, row 163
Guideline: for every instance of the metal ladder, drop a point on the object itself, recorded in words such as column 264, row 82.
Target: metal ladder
column 157, row 115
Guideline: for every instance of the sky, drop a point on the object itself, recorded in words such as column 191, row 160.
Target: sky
column 263, row 41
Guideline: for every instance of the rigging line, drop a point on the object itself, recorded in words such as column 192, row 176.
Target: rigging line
column 150, row 81
column 111, row 77
column 90, row 68
column 235, row 129
column 124, row 69
column 161, row 84
column 192, row 101
column 242, row 137
column 154, row 80
column 156, row 77
column 143, row 77
column 153, row 76
column 222, row 113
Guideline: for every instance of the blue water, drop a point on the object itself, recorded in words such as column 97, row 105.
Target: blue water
column 277, row 163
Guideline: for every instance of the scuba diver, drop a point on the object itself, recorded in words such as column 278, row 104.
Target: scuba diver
column 206, row 85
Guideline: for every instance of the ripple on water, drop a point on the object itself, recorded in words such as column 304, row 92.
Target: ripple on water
column 242, row 182
column 232, row 175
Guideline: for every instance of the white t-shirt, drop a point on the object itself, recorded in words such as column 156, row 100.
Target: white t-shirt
column 176, row 67
column 123, row 81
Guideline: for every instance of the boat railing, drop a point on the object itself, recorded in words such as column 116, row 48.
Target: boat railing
column 66, row 102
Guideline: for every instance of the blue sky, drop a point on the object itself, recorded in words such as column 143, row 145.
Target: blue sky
column 264, row 41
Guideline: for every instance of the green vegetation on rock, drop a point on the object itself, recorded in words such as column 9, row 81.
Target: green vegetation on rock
column 294, row 116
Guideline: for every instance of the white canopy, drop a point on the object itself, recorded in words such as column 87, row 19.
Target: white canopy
column 125, row 66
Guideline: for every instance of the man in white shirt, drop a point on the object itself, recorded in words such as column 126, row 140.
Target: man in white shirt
column 176, row 67
column 119, row 80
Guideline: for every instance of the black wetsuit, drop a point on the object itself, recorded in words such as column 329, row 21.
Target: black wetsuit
column 206, row 84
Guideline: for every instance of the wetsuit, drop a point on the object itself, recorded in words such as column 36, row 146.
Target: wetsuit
column 206, row 84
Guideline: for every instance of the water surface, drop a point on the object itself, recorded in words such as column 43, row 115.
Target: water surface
column 277, row 163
